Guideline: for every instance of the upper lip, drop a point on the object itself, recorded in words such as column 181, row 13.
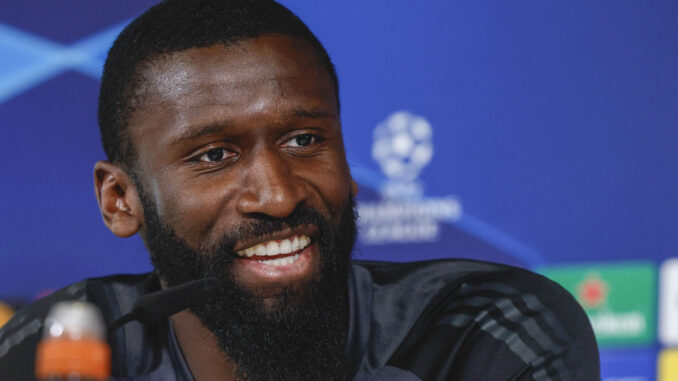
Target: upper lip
column 308, row 230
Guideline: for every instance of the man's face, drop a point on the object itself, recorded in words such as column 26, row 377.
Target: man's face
column 229, row 135
column 242, row 174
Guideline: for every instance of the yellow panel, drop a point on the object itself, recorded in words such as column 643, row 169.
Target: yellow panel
column 668, row 365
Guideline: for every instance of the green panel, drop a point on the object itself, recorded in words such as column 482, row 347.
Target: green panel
column 620, row 299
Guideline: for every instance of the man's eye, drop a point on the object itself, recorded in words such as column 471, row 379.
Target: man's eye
column 303, row 140
column 213, row 155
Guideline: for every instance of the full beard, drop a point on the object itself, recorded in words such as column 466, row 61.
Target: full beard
column 300, row 333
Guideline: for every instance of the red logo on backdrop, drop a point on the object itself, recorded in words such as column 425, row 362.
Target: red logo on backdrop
column 593, row 291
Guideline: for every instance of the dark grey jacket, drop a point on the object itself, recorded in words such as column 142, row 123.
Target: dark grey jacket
column 435, row 320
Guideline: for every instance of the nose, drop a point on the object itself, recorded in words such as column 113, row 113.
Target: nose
column 270, row 186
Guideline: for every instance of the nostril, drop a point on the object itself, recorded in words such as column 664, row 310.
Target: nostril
column 274, row 200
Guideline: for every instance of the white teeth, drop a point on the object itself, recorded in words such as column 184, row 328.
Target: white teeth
column 272, row 248
column 281, row 261
column 285, row 246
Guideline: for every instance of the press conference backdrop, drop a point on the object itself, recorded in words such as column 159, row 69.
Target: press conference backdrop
column 540, row 134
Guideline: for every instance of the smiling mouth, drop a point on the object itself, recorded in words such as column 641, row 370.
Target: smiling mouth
column 281, row 252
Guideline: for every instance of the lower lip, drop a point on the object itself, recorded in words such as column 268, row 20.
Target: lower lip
column 298, row 269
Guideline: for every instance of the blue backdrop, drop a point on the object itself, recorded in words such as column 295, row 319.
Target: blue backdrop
column 527, row 132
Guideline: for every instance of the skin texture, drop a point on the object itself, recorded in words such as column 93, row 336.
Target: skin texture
column 224, row 135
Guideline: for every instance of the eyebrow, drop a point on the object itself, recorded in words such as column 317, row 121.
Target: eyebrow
column 195, row 132
column 315, row 113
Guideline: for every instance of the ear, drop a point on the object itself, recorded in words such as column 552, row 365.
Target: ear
column 354, row 188
column 118, row 200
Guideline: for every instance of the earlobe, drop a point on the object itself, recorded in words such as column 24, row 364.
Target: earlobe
column 118, row 199
column 354, row 188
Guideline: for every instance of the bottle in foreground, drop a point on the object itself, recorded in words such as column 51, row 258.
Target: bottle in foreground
column 73, row 346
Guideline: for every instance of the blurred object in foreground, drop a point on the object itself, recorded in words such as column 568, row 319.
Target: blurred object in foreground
column 74, row 345
column 6, row 313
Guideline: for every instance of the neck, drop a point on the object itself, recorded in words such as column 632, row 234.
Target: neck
column 200, row 348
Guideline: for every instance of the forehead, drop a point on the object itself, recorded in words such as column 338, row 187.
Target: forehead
column 203, row 74
column 262, row 78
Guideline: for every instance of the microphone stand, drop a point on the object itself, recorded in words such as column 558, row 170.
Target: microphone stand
column 158, row 305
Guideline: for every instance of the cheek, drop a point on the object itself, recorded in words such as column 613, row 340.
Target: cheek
column 192, row 208
column 333, row 183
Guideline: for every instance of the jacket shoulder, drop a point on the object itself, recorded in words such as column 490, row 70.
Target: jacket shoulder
column 448, row 319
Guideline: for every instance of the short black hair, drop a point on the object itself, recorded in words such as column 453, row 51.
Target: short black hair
column 173, row 26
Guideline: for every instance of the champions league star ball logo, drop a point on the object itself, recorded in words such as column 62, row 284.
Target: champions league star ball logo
column 403, row 146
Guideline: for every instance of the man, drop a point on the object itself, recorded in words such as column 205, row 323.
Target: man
column 221, row 124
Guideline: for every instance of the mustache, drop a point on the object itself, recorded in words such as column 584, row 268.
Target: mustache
column 264, row 225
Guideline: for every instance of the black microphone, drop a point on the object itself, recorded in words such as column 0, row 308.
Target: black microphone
column 158, row 305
